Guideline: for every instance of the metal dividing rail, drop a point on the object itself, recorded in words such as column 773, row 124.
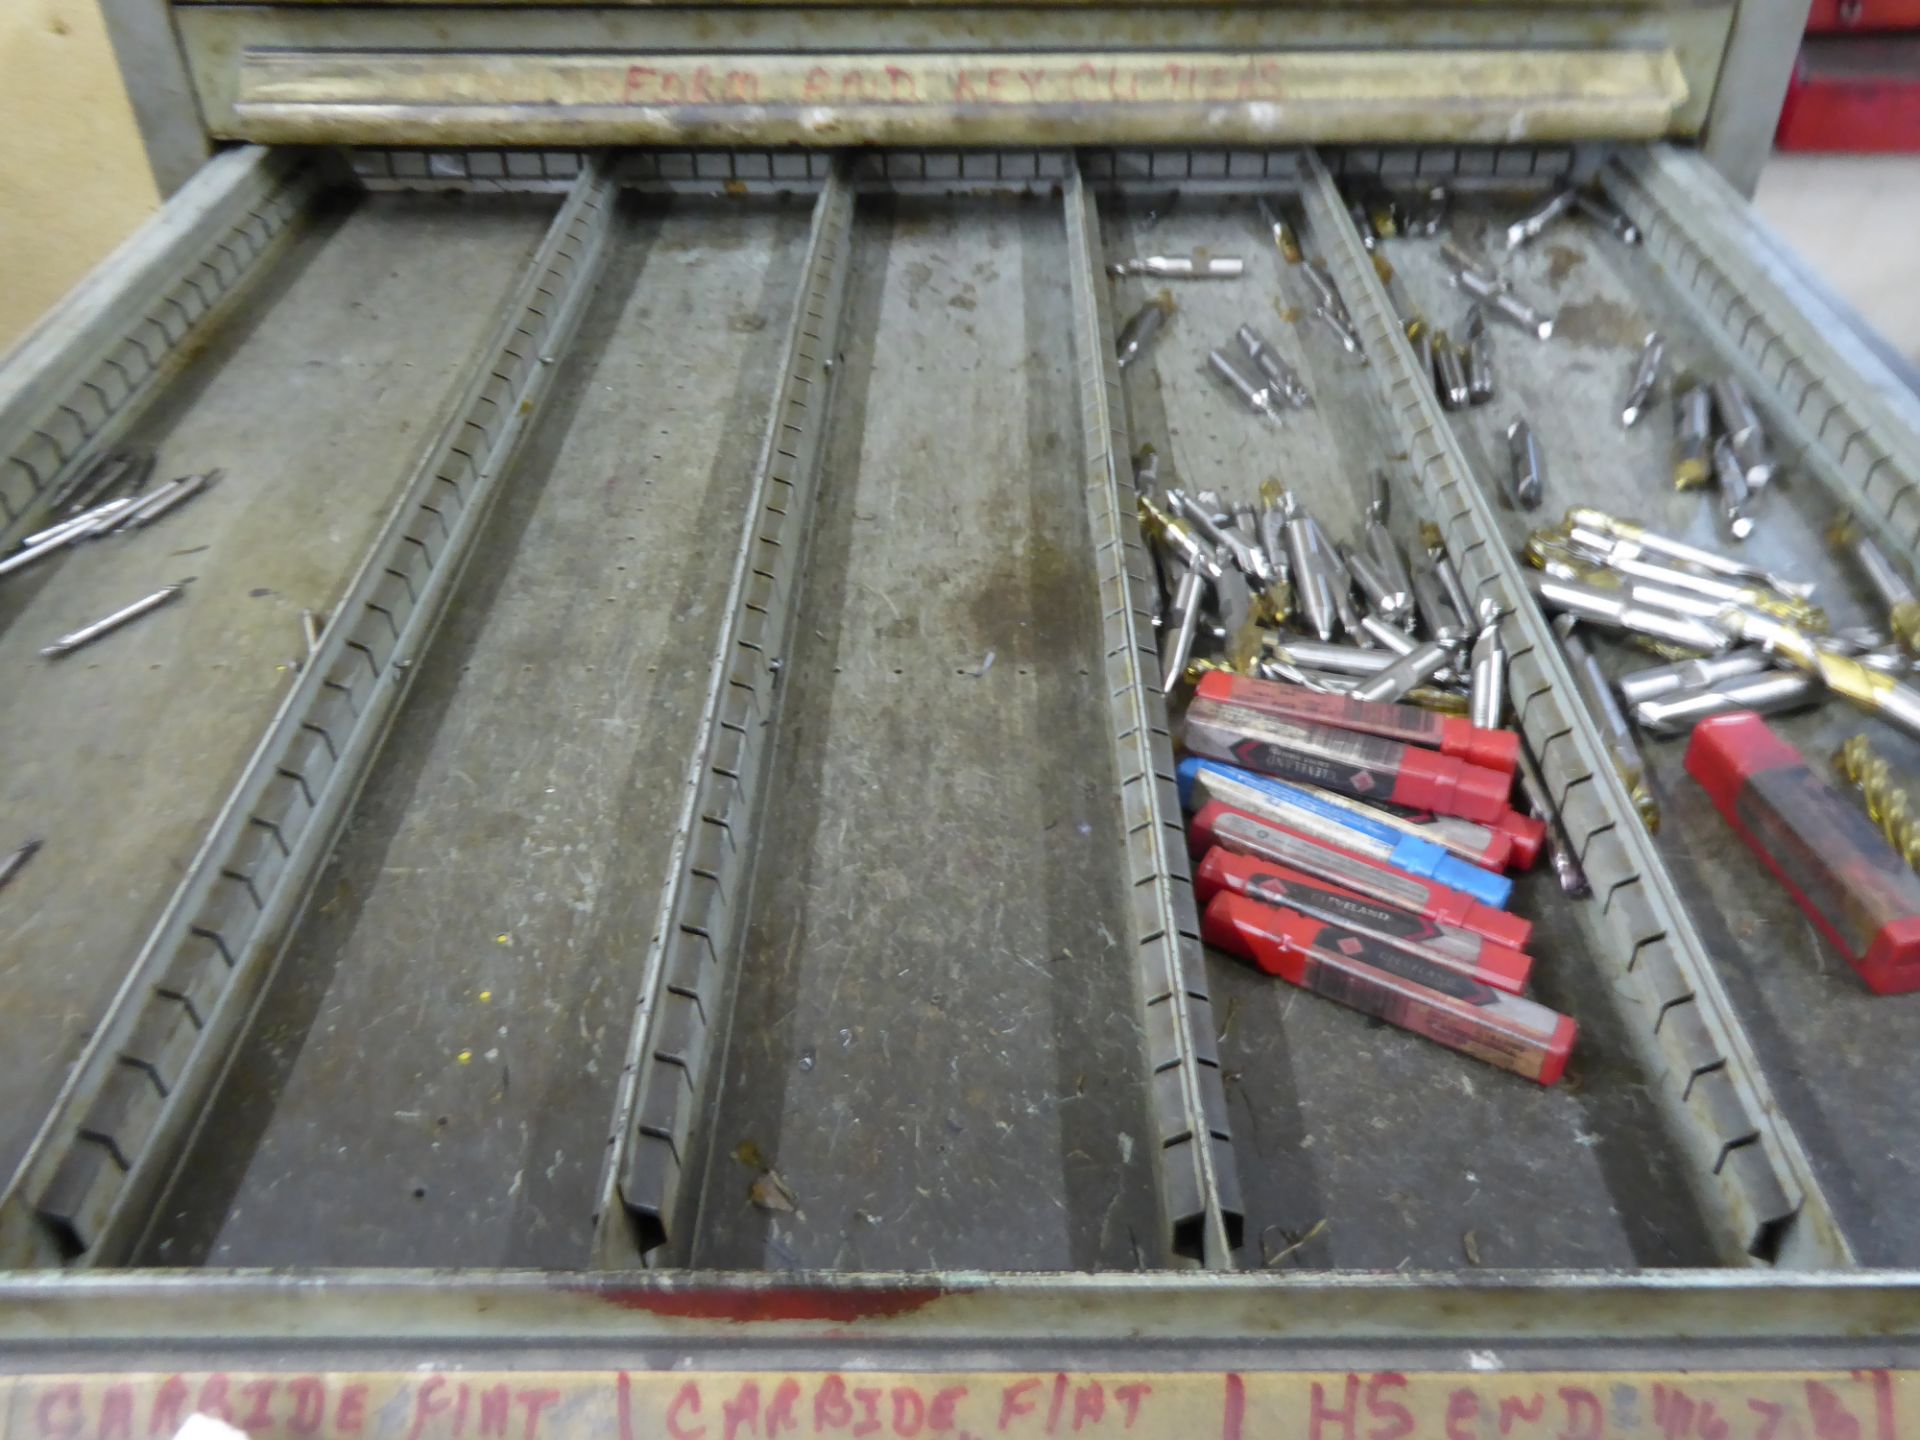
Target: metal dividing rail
column 861, row 937
column 678, row 1030
column 1760, row 1194
column 1199, row 1181
column 121, row 335
column 84, row 1192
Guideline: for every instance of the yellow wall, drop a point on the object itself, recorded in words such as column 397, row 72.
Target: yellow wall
column 74, row 180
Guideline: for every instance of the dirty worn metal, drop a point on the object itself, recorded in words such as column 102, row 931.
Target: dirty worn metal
column 1198, row 1177
column 1842, row 413
column 81, row 376
column 651, row 1176
column 1768, row 1206
column 82, row 1193
column 374, row 97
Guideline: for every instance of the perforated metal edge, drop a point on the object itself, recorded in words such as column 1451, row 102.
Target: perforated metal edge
column 75, row 383
column 1198, row 1178
column 651, row 1178
column 85, row 1189
column 1829, row 402
column 1757, row 1188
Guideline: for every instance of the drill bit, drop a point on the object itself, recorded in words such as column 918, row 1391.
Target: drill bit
column 1592, row 548
column 1312, row 566
column 1604, row 212
column 1539, row 802
column 1892, row 699
column 1385, row 553
column 1284, row 240
column 107, row 624
column 1174, row 535
column 1638, row 536
column 1487, row 688
column 1259, row 398
column 1616, row 611
column 17, row 861
column 1139, row 332
column 1704, row 673
column 1449, row 578
column 1181, row 267
column 1646, row 374
column 1450, row 373
column 1183, row 624
column 1743, row 432
column 1888, row 803
column 1903, row 607
column 1437, row 615
column 1281, row 377
column 1414, row 668
column 1772, row 692
column 1692, row 434
column 1505, row 303
column 1244, row 551
column 1479, row 357
column 1461, row 263
column 1529, row 227
column 1615, row 732
column 1736, row 501
column 1526, row 466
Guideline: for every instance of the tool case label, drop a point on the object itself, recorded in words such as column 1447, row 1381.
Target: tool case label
column 454, row 1404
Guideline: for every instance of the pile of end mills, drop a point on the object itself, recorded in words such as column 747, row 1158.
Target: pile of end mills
column 109, row 498
column 1350, row 787
column 1733, row 635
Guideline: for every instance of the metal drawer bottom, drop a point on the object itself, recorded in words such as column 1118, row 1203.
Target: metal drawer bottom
column 728, row 823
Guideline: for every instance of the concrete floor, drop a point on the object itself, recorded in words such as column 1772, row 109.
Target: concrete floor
column 1853, row 218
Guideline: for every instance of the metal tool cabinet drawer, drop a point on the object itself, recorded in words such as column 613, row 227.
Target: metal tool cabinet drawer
column 714, row 894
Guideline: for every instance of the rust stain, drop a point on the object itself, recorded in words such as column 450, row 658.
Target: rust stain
column 1562, row 261
column 834, row 1306
column 1599, row 323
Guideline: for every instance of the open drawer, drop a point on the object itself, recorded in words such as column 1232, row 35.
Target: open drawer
column 719, row 859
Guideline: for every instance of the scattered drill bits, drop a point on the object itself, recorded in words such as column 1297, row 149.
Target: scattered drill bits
column 106, row 625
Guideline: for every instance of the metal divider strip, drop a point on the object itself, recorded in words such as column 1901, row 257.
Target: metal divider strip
column 78, row 380
column 1199, row 1180
column 85, row 1189
column 1751, row 1173
column 1859, row 437
column 679, row 1028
